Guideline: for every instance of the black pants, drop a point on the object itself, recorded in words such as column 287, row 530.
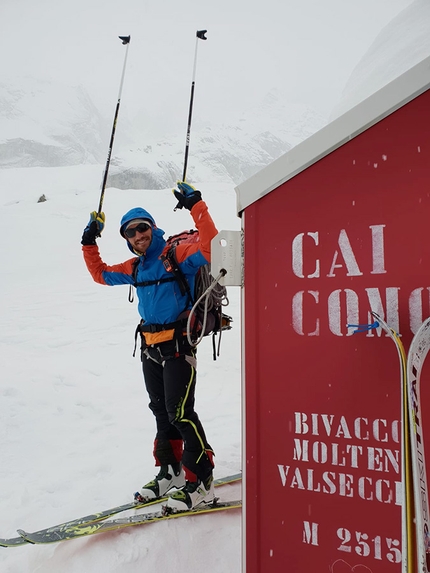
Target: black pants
column 170, row 379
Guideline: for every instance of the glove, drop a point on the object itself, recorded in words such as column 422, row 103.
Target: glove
column 94, row 228
column 187, row 196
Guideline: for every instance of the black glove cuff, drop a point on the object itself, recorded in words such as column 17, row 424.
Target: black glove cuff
column 86, row 240
column 89, row 235
column 193, row 200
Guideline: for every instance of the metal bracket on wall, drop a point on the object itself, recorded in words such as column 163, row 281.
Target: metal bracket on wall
column 227, row 253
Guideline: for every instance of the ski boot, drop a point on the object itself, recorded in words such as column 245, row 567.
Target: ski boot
column 168, row 477
column 191, row 495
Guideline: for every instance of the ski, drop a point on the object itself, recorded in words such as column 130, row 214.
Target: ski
column 408, row 552
column 95, row 517
column 418, row 351
column 83, row 530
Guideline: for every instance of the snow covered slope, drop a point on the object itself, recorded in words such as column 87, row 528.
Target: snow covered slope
column 75, row 431
column 403, row 42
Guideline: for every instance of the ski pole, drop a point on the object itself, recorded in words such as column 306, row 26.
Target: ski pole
column 200, row 35
column 125, row 40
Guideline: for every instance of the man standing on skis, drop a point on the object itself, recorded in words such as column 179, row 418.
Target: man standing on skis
column 169, row 362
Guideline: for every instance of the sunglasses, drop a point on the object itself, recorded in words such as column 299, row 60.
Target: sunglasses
column 141, row 228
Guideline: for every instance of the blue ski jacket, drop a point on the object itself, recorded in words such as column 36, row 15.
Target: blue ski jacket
column 159, row 303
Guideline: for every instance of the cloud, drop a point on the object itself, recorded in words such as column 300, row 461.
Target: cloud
column 307, row 49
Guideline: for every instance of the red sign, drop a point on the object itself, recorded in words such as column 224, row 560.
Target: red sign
column 323, row 459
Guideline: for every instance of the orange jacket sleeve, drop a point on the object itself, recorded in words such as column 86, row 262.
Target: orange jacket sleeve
column 207, row 231
column 105, row 274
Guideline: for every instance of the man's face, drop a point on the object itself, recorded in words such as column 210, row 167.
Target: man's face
column 139, row 235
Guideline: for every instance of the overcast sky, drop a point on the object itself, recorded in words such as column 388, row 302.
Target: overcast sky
column 307, row 48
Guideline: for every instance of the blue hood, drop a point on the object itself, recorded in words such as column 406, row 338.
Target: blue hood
column 157, row 244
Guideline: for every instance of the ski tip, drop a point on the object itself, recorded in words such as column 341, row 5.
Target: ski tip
column 24, row 535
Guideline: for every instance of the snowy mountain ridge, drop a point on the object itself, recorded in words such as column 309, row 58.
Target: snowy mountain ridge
column 46, row 124
column 228, row 153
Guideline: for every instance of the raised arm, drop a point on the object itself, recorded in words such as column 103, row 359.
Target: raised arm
column 191, row 199
column 101, row 272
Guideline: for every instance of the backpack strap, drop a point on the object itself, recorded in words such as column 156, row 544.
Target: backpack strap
column 154, row 282
column 172, row 266
column 147, row 283
column 130, row 290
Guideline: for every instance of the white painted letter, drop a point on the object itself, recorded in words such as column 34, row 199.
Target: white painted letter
column 334, row 312
column 298, row 313
column 297, row 247
column 348, row 257
column 378, row 255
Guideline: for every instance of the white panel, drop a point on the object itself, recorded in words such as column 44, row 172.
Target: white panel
column 226, row 253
